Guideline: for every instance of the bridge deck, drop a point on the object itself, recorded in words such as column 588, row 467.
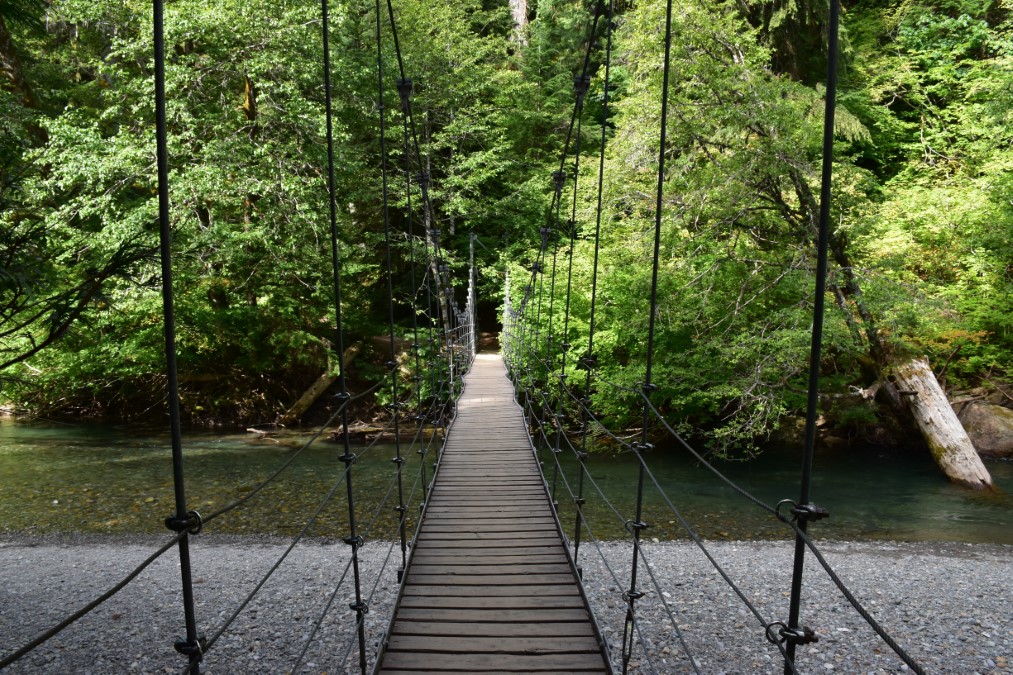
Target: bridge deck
column 489, row 586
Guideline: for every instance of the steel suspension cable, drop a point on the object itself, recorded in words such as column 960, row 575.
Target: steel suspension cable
column 589, row 360
column 633, row 594
column 392, row 363
column 56, row 629
column 581, row 84
column 348, row 458
column 201, row 522
column 182, row 520
column 815, row 348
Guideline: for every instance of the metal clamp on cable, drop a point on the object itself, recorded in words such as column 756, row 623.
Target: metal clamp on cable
column 398, row 460
column 192, row 524
column 342, row 396
column 360, row 607
column 648, row 387
column 810, row 512
column 191, row 649
column 629, row 596
column 559, row 179
column 802, row 635
column 581, row 83
column 634, row 526
column 587, row 362
column 355, row 542
column 807, row 512
column 348, row 458
column 637, row 446
column 404, row 89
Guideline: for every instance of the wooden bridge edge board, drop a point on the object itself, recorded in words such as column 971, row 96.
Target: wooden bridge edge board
column 565, row 541
column 403, row 581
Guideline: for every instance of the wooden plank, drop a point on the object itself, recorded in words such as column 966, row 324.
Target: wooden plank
column 503, row 629
column 455, row 570
column 434, row 543
column 485, row 536
column 488, row 672
column 519, row 579
column 495, row 645
column 490, row 588
column 537, row 602
column 450, row 590
column 500, row 551
column 484, row 663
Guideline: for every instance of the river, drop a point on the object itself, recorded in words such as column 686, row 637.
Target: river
column 109, row 479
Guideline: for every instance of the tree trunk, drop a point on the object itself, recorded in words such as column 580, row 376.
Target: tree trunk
column 322, row 384
column 950, row 445
column 519, row 10
column 13, row 71
column 920, row 394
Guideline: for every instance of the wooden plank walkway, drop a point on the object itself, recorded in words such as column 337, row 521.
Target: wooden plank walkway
column 490, row 587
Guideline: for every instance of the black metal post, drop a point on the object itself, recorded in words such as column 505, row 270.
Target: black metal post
column 191, row 647
column 815, row 350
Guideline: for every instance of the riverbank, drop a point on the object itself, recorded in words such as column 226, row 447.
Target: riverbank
column 947, row 604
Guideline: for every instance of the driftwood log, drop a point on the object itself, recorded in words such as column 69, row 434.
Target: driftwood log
column 945, row 435
column 322, row 384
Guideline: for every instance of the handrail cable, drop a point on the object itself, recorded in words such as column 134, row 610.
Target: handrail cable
column 697, row 540
column 589, row 358
column 46, row 635
column 635, row 624
column 53, row 631
column 419, row 474
column 344, row 477
column 845, row 591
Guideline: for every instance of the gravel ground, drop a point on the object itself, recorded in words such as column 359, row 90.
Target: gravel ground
column 949, row 605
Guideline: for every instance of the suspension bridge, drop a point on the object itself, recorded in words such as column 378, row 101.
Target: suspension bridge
column 489, row 581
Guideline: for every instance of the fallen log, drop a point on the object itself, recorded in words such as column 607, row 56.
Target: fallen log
column 322, row 384
column 945, row 435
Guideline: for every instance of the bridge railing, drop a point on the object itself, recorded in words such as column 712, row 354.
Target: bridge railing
column 564, row 428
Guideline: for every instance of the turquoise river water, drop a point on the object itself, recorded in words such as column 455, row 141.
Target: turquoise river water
column 60, row 478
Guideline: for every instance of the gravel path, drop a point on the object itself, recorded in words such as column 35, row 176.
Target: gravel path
column 949, row 605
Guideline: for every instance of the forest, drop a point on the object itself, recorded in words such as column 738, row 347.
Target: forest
column 921, row 261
